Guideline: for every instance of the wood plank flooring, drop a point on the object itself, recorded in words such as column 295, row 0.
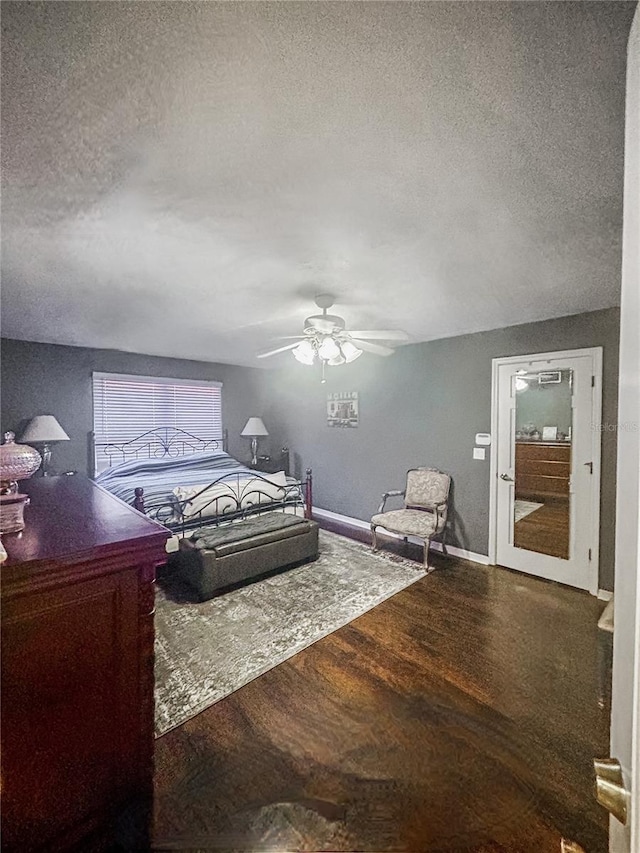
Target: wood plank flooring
column 546, row 530
column 461, row 714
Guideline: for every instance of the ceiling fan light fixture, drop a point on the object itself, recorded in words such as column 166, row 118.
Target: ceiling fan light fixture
column 350, row 351
column 328, row 349
column 338, row 360
column 326, row 340
column 304, row 352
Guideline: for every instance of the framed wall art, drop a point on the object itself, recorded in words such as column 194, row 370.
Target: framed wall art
column 342, row 409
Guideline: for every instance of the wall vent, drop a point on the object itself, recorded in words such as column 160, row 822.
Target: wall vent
column 550, row 378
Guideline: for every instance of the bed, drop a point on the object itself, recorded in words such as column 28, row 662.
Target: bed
column 186, row 483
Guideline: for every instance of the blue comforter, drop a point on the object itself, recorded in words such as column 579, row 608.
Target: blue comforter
column 159, row 477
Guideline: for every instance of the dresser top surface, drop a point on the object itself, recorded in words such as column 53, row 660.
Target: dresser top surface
column 71, row 515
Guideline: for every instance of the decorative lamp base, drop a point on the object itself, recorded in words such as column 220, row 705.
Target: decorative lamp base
column 46, row 460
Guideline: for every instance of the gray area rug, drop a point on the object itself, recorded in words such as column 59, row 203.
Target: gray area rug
column 206, row 650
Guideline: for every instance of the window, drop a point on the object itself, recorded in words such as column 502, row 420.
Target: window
column 125, row 407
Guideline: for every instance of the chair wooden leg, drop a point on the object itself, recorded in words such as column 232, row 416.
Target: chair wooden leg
column 428, row 568
column 374, row 540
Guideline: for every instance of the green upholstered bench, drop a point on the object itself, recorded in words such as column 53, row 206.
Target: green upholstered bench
column 213, row 558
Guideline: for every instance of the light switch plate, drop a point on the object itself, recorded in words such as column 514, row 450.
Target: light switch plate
column 478, row 452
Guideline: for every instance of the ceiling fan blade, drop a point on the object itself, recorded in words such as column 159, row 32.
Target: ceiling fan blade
column 380, row 334
column 276, row 351
column 377, row 349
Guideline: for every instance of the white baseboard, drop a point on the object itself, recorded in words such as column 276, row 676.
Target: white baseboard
column 462, row 553
column 605, row 595
column 348, row 521
column 343, row 519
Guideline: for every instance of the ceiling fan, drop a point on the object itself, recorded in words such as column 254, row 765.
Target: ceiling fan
column 326, row 339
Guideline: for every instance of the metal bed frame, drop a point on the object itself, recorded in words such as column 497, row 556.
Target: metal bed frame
column 242, row 497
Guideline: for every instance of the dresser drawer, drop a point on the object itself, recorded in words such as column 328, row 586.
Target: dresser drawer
column 543, row 452
column 542, row 470
column 533, row 486
column 543, row 467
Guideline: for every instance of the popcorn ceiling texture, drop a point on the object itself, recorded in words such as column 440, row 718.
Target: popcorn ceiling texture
column 182, row 178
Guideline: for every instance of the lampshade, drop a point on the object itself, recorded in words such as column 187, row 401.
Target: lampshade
column 350, row 351
column 254, row 426
column 304, row 352
column 337, row 360
column 328, row 349
column 44, row 428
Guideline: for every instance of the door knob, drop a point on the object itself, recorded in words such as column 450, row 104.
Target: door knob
column 610, row 790
column 506, row 477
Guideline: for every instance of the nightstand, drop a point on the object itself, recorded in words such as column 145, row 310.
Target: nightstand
column 266, row 466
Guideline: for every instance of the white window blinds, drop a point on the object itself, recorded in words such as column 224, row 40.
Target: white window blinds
column 125, row 407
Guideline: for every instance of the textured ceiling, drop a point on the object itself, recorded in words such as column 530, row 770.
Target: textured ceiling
column 182, row 178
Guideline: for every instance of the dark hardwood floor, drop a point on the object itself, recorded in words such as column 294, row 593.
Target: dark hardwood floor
column 545, row 530
column 461, row 714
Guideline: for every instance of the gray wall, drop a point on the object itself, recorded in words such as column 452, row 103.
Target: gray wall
column 423, row 406
column 52, row 379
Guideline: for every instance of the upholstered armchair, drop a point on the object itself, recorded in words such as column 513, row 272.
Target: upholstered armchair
column 425, row 509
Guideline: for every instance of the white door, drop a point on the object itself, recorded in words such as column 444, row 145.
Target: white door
column 625, row 706
column 546, row 465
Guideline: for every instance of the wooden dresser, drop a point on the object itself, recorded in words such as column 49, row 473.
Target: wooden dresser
column 543, row 469
column 77, row 670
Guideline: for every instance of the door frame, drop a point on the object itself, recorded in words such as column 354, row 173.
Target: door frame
column 595, row 353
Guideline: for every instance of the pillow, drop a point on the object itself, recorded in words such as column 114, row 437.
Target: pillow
column 187, row 493
column 278, row 479
column 216, row 500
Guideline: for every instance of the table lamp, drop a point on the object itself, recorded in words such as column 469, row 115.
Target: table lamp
column 254, row 428
column 44, row 430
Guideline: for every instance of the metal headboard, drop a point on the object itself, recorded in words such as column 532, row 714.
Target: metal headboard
column 153, row 444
